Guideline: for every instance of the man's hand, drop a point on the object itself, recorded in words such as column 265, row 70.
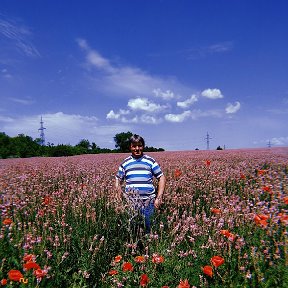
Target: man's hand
column 157, row 203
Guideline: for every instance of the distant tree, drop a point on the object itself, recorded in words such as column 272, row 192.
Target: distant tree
column 122, row 141
column 5, row 145
column 83, row 146
column 61, row 150
column 219, row 148
column 23, row 146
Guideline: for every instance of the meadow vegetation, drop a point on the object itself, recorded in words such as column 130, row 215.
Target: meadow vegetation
column 223, row 222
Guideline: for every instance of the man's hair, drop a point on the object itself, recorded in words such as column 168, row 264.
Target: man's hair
column 136, row 139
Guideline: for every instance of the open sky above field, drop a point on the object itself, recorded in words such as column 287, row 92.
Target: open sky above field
column 169, row 70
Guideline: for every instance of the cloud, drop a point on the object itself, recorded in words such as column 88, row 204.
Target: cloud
column 279, row 141
column 188, row 102
column 114, row 78
column 177, row 118
column 205, row 51
column 166, row 95
column 22, row 101
column 144, row 104
column 64, row 128
column 17, row 35
column 230, row 108
column 212, row 93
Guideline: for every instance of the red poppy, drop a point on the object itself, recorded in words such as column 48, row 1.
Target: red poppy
column 39, row 273
column 286, row 200
column 15, row 275
column 31, row 265
column 7, row 221
column 261, row 172
column 283, row 218
column 118, row 258
column 127, row 266
column 139, row 259
column 215, row 210
column 208, row 270
column 47, row 200
column 227, row 234
column 112, row 272
column 177, row 173
column 157, row 259
column 208, row 163
column 3, row 282
column 242, row 176
column 29, row 258
column 165, row 286
column 144, row 280
column 261, row 219
column 217, row 261
column 267, row 189
column 183, row 284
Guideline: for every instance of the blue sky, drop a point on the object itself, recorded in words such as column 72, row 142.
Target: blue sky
column 171, row 71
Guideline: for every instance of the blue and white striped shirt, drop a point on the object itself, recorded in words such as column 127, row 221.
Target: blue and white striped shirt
column 138, row 174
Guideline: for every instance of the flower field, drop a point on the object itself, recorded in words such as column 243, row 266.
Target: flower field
column 223, row 222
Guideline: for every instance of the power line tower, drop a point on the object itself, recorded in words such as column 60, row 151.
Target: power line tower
column 42, row 135
column 208, row 140
column 269, row 144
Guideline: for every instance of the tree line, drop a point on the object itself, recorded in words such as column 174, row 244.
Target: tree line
column 23, row 146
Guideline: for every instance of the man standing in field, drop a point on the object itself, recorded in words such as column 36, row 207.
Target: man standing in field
column 138, row 171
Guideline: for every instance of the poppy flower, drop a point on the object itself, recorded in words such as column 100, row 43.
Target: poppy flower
column 177, row 173
column 283, row 218
column 7, row 221
column 242, row 176
column 118, row 258
column 267, row 189
column 139, row 259
column 157, row 259
column 47, row 200
column 127, row 266
column 39, row 273
column 3, row 282
column 261, row 172
column 183, row 284
column 208, row 270
column 29, row 258
column 286, row 200
column 217, row 261
column 165, row 286
column 144, row 280
column 227, row 234
column 208, row 163
column 215, row 210
column 31, row 265
column 15, row 275
column 261, row 219
column 112, row 272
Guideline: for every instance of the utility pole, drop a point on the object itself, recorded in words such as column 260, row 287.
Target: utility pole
column 207, row 140
column 42, row 135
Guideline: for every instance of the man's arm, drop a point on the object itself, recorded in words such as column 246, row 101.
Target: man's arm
column 161, row 187
column 118, row 187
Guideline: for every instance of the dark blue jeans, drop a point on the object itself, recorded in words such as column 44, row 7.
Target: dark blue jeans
column 148, row 212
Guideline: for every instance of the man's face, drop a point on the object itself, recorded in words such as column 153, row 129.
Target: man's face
column 136, row 149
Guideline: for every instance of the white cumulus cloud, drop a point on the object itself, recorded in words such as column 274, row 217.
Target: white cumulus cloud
column 212, row 93
column 166, row 95
column 230, row 108
column 144, row 104
column 177, row 117
column 188, row 102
